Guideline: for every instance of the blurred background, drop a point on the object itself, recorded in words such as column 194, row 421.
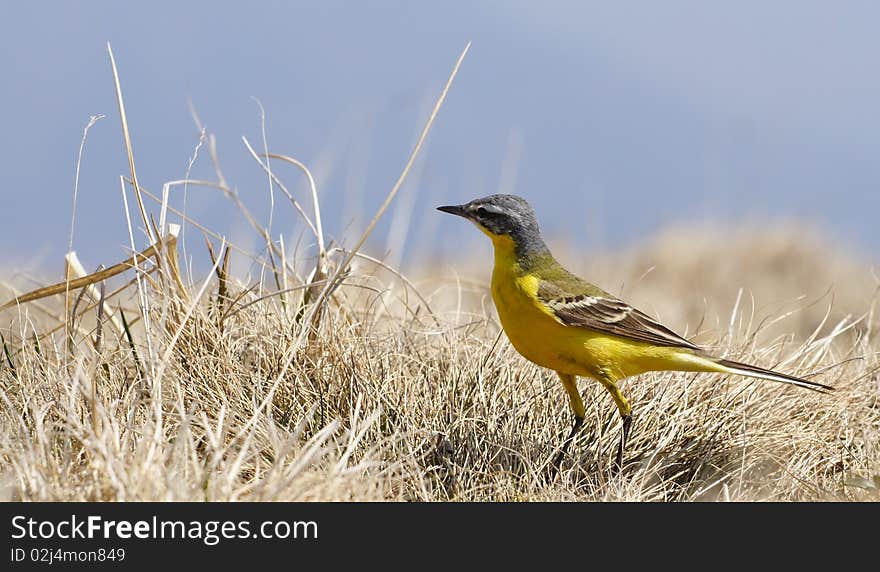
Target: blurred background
column 616, row 120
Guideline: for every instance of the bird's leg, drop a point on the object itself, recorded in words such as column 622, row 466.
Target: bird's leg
column 578, row 421
column 627, row 422
column 625, row 410
column 577, row 406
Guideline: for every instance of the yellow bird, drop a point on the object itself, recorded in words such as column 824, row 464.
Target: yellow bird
column 561, row 322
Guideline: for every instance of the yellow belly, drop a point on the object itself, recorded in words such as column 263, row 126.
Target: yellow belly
column 542, row 339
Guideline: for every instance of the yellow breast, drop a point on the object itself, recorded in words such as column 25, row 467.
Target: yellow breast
column 529, row 325
column 544, row 340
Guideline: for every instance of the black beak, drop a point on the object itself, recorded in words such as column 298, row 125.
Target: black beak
column 454, row 209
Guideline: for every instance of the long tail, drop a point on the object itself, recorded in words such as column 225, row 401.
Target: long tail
column 728, row 366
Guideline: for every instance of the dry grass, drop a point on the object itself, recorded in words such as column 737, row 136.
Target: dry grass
column 382, row 403
column 341, row 379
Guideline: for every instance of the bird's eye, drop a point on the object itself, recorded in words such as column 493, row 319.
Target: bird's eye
column 483, row 212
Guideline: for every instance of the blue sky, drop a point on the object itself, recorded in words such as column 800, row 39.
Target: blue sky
column 613, row 119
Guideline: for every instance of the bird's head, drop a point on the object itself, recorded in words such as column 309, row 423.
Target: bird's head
column 502, row 217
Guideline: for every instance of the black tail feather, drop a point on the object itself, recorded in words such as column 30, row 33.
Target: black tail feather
column 760, row 372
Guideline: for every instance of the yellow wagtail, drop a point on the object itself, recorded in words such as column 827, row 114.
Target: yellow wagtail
column 564, row 323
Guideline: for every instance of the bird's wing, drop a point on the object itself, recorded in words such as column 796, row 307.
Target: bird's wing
column 594, row 309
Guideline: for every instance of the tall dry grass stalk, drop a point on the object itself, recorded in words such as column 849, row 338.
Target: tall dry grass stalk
column 346, row 379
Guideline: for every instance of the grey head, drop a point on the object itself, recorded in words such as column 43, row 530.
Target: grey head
column 503, row 215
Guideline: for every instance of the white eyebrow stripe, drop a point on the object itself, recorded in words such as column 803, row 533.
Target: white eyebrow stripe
column 492, row 208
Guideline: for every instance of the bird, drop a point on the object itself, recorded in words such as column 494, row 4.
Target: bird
column 561, row 322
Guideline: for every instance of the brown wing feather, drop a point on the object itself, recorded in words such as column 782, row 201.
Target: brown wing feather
column 613, row 316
